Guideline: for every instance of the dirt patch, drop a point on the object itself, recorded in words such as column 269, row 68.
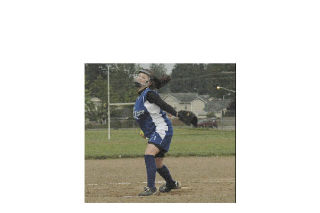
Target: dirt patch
column 203, row 180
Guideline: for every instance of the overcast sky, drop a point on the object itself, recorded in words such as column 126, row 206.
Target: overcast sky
column 168, row 66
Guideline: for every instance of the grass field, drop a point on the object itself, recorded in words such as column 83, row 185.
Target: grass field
column 185, row 142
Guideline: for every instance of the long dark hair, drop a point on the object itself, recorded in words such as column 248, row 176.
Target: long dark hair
column 156, row 82
column 160, row 82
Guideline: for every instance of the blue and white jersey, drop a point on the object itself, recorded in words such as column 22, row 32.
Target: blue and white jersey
column 150, row 117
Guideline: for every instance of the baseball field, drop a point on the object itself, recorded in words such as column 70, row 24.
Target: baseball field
column 203, row 160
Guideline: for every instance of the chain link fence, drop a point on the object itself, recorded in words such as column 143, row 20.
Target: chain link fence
column 226, row 122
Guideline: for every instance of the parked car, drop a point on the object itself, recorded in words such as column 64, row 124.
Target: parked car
column 208, row 123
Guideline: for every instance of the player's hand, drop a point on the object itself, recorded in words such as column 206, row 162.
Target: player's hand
column 188, row 117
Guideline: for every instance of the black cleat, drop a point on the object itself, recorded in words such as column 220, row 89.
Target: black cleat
column 167, row 187
column 148, row 191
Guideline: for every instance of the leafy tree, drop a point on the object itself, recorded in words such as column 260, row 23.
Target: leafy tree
column 158, row 69
column 203, row 78
column 96, row 85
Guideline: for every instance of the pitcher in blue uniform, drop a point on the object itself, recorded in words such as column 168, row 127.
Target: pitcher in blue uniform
column 149, row 112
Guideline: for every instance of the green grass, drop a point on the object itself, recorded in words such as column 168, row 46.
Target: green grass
column 185, row 142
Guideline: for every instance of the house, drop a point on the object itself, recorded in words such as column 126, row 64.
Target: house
column 217, row 107
column 201, row 105
column 96, row 102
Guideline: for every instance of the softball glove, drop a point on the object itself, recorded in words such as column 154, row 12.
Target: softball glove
column 188, row 117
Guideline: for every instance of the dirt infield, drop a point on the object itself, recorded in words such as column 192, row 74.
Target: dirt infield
column 203, row 180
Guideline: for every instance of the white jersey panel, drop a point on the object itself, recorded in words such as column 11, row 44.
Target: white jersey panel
column 156, row 116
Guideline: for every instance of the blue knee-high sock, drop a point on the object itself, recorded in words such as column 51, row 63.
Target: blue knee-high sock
column 164, row 172
column 151, row 169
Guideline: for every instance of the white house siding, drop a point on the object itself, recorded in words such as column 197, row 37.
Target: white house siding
column 185, row 106
column 197, row 106
column 96, row 102
column 176, row 103
column 172, row 101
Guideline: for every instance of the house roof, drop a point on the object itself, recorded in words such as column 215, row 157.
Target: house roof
column 95, row 99
column 205, row 96
column 183, row 97
column 217, row 105
column 211, row 105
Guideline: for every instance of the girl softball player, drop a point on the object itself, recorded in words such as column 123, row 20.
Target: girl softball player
column 149, row 112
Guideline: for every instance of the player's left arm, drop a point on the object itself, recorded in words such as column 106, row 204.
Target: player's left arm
column 153, row 97
column 186, row 117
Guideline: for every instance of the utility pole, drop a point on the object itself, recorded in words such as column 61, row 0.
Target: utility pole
column 108, row 103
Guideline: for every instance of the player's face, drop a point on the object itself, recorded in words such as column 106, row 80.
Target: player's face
column 143, row 79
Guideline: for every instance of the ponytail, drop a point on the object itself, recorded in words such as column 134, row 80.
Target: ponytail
column 158, row 83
